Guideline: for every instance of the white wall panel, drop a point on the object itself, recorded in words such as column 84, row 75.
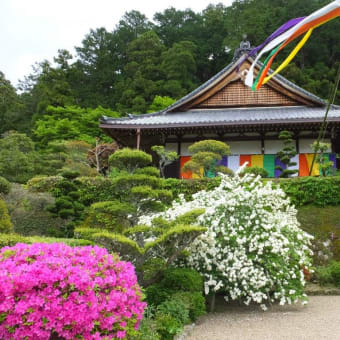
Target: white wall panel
column 245, row 147
column 184, row 149
column 305, row 145
column 271, row 147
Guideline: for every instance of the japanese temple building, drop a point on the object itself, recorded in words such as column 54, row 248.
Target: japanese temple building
column 225, row 109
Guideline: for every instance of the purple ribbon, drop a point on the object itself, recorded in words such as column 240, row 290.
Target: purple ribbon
column 289, row 24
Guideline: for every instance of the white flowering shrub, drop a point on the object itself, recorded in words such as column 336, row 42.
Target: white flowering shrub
column 253, row 249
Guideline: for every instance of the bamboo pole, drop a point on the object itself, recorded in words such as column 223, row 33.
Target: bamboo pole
column 324, row 123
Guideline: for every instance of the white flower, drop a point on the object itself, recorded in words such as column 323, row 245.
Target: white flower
column 252, row 240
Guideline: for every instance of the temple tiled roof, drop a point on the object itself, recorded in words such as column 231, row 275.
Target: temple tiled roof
column 196, row 117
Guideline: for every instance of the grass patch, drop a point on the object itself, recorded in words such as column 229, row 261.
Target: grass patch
column 322, row 223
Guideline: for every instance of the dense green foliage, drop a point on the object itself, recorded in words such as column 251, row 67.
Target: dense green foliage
column 5, row 186
column 177, row 299
column 6, row 225
column 319, row 191
column 18, row 159
column 329, row 274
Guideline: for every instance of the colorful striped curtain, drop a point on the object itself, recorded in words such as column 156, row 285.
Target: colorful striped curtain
column 257, row 160
column 304, row 169
column 183, row 160
column 245, row 158
column 316, row 171
column 278, row 163
column 233, row 162
column 269, row 164
column 295, row 159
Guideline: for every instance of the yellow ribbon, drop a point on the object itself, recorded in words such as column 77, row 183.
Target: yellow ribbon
column 291, row 56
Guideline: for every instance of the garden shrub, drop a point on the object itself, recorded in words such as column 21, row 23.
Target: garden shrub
column 176, row 308
column 194, row 302
column 184, row 279
column 147, row 330
column 319, row 191
column 12, row 239
column 190, row 187
column 157, row 294
column 167, row 326
column 129, row 159
column 253, row 249
column 328, row 274
column 255, row 170
column 69, row 293
column 323, row 275
column 96, row 189
column 29, row 216
column 5, row 186
column 334, row 268
column 6, row 225
column 43, row 183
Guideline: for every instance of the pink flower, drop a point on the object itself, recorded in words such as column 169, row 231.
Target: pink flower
column 81, row 291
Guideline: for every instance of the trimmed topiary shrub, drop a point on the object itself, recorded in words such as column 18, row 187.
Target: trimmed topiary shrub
column 129, row 159
column 256, row 170
column 43, row 183
column 55, row 291
column 184, row 279
column 5, row 186
column 6, row 225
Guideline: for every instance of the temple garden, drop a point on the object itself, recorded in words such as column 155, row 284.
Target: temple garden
column 128, row 254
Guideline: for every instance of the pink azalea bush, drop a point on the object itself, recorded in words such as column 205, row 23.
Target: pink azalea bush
column 53, row 291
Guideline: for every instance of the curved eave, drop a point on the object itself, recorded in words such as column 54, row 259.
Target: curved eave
column 190, row 125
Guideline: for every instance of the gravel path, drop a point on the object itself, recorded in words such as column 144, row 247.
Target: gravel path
column 320, row 319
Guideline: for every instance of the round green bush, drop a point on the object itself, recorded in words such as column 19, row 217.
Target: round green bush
column 129, row 159
column 149, row 170
column 63, row 203
column 185, row 279
column 5, row 186
column 257, row 171
column 43, row 183
column 70, row 174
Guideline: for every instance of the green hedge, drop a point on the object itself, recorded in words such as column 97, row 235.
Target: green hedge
column 319, row 191
column 188, row 187
column 13, row 239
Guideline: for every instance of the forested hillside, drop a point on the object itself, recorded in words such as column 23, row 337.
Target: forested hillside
column 124, row 70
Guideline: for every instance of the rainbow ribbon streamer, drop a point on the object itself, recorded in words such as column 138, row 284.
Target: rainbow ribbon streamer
column 282, row 37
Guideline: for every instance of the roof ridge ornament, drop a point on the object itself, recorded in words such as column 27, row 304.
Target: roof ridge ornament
column 245, row 48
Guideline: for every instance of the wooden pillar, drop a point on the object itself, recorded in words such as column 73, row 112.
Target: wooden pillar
column 262, row 143
column 138, row 138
